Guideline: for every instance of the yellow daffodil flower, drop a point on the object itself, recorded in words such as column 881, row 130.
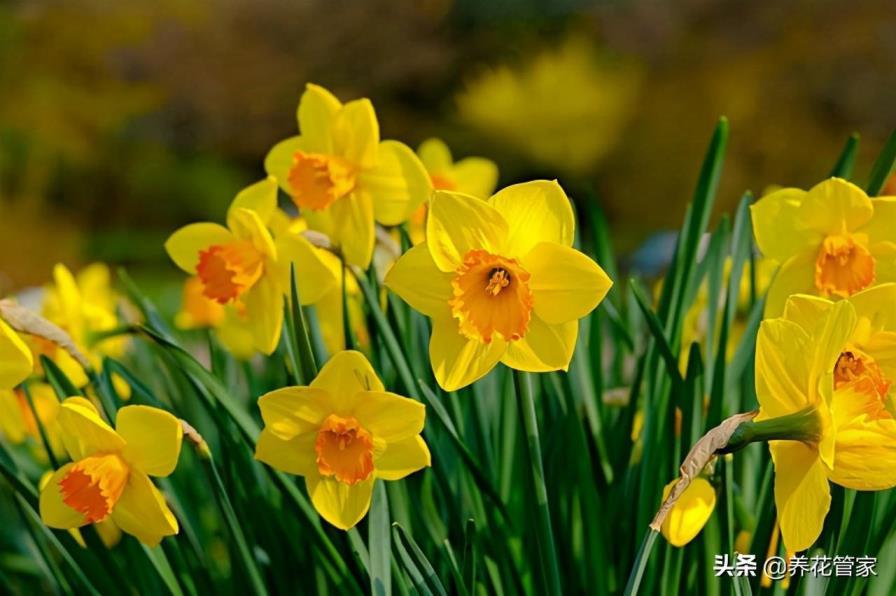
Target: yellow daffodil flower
column 831, row 241
column 832, row 364
column 109, row 477
column 109, row 533
column 16, row 361
column 243, row 266
column 690, row 513
column 500, row 281
column 342, row 177
column 342, row 433
column 17, row 420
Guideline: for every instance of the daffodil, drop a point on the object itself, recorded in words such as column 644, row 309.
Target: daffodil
column 109, row 533
column 198, row 310
column 500, row 281
column 109, row 476
column 831, row 241
column 342, row 177
column 243, row 266
column 342, row 433
column 16, row 361
column 825, row 369
column 18, row 421
column 690, row 513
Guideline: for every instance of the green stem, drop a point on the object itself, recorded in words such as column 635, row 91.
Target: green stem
column 802, row 426
column 544, row 531
column 634, row 580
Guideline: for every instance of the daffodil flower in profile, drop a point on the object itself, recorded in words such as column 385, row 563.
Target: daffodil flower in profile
column 690, row 513
column 500, row 281
column 823, row 376
column 342, row 177
column 342, row 433
column 16, row 361
column 830, row 241
column 244, row 267
column 109, row 476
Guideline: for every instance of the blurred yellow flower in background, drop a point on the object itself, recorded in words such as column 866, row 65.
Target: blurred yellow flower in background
column 564, row 108
column 690, row 513
column 18, row 422
column 109, row 477
column 197, row 310
column 342, row 177
column 830, row 241
column 342, row 433
column 243, row 266
column 16, row 361
column 500, row 281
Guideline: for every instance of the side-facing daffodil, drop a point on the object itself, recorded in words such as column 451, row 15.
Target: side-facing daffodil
column 16, row 361
column 342, row 177
column 109, row 476
column 342, row 433
column 500, row 281
column 690, row 513
column 109, row 533
column 244, row 267
column 831, row 241
column 19, row 423
column 823, row 374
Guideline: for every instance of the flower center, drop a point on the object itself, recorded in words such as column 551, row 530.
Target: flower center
column 94, row 485
column 317, row 180
column 859, row 371
column 843, row 267
column 440, row 182
column 228, row 270
column 491, row 295
column 344, row 449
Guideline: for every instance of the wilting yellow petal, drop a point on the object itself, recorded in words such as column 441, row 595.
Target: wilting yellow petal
column 458, row 361
column 778, row 225
column 142, row 512
column 782, row 369
column 544, row 348
column 566, row 284
column 296, row 455
column 84, row 432
column 15, row 358
column 264, row 308
column 260, row 197
column 341, row 504
column 835, row 204
column 317, row 114
column 459, row 223
column 347, row 374
column 292, row 411
column 183, row 246
column 153, row 439
column 802, row 493
column 417, row 280
column 690, row 513
column 397, row 185
column 388, row 416
column 53, row 511
column 537, row 211
column 402, row 458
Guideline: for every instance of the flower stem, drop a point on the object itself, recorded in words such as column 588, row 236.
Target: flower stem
column 800, row 426
column 544, row 531
column 634, row 580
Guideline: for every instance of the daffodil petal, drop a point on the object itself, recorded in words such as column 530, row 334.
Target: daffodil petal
column 346, row 374
column 153, row 438
column 260, row 197
column 545, row 347
column 830, row 337
column 398, row 184
column 83, row 431
column 834, row 203
column 403, row 458
column 882, row 225
column 247, row 225
column 782, row 379
column 264, row 305
column 435, row 156
column 802, row 493
column 183, row 246
column 142, row 512
column 806, row 310
column 53, row 511
column 317, row 115
column 279, row 160
column 417, row 280
column 458, row 361
column 865, row 451
column 353, row 227
column 459, row 223
column 794, row 276
column 388, row 416
column 296, row 455
column 777, row 211
column 690, row 513
column 313, row 276
column 16, row 361
column 357, row 133
column 475, row 176
column 566, row 285
column 537, row 211
column 342, row 505
column 292, row 411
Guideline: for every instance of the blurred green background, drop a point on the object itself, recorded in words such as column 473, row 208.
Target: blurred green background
column 120, row 121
